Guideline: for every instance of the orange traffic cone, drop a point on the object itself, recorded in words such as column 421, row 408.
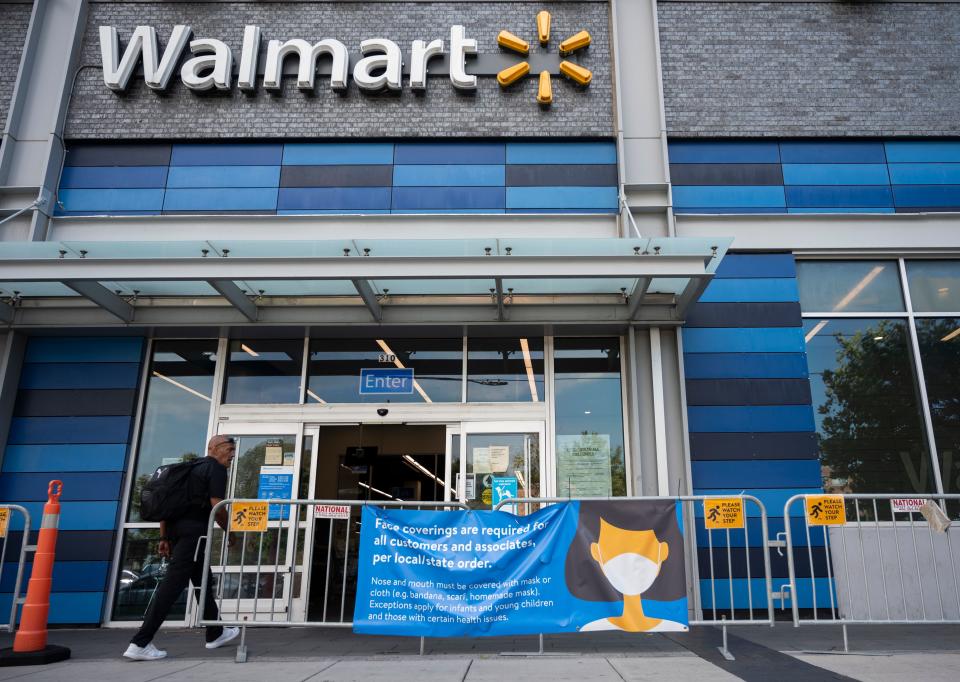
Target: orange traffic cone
column 30, row 645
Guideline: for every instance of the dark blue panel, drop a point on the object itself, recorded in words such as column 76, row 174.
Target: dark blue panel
column 241, row 154
column 769, row 473
column 779, row 567
column 715, row 151
column 84, row 349
column 726, row 174
column 554, row 175
column 60, row 212
column 725, row 446
column 728, row 196
column 758, row 290
column 345, row 198
column 82, row 402
column 91, row 177
column 744, row 340
column 839, row 210
column 73, row 545
column 224, row 176
column 839, row 196
column 760, row 418
column 770, row 210
column 927, row 195
column 448, row 197
column 41, row 430
column 60, row 458
column 118, row 155
column 758, row 589
column 100, row 515
column 741, row 265
column 834, row 151
column 450, row 152
column 68, row 608
column 561, row 152
column 745, row 365
column 68, row 576
column 775, row 525
column 925, row 173
column 76, row 486
column 753, row 314
column 748, row 392
column 80, row 375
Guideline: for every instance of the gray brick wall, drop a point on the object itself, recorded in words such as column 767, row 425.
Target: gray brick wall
column 14, row 18
column 811, row 69
column 98, row 113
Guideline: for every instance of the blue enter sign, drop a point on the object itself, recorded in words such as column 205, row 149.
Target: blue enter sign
column 378, row 381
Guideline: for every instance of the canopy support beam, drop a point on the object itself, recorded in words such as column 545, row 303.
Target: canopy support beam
column 103, row 297
column 6, row 313
column 636, row 297
column 501, row 313
column 369, row 298
column 691, row 294
column 235, row 296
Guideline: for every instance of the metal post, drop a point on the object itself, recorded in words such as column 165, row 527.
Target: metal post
column 423, row 645
column 242, row 649
column 725, row 650
column 846, row 641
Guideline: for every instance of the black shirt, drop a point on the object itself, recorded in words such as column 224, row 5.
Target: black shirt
column 208, row 478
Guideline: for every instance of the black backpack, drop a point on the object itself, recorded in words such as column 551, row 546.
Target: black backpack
column 166, row 495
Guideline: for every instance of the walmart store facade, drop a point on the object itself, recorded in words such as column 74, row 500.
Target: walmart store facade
column 713, row 247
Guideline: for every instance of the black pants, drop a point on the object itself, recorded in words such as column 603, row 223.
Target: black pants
column 181, row 570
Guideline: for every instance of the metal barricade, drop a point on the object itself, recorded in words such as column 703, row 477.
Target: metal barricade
column 883, row 565
column 25, row 547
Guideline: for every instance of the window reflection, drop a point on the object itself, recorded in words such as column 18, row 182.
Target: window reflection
column 867, row 408
column 939, row 341
column 934, row 285
column 849, row 286
column 141, row 570
column 263, row 371
column 501, row 370
column 589, row 418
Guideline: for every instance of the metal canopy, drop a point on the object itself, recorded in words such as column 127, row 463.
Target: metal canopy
column 402, row 281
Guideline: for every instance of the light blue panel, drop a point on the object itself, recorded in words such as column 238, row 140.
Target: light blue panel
column 562, row 197
column 833, row 151
column 744, row 365
column 73, row 515
column 106, row 200
column 332, row 211
column 449, row 176
column 60, row 458
column 84, row 349
column 743, row 340
column 450, row 211
column 447, row 198
column 337, row 153
column 833, row 210
column 221, row 154
column 710, row 151
column 31, row 487
column 68, row 576
column 561, row 152
column 247, row 199
column 835, row 174
column 80, row 375
column 64, row 430
column 841, row 195
column 721, row 592
column 68, row 607
column 564, row 211
column 728, row 196
column 224, row 176
column 927, row 195
column 769, row 473
column 334, row 198
column 750, row 418
column 772, row 499
column 923, row 150
column 60, row 212
column 925, row 173
column 449, row 152
column 772, row 290
column 89, row 177
column 771, row 210
column 763, row 265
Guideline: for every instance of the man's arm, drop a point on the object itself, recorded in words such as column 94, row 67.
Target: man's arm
column 221, row 515
column 163, row 549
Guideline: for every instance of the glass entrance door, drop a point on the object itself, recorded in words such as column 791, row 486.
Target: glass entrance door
column 497, row 458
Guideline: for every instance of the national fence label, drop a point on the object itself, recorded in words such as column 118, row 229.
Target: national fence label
column 723, row 512
column 247, row 517
column 825, row 510
column 4, row 521
column 905, row 505
column 331, row 511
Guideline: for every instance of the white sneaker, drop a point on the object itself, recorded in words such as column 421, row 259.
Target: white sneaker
column 229, row 634
column 144, row 653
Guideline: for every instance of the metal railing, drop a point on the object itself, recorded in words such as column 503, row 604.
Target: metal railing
column 25, row 547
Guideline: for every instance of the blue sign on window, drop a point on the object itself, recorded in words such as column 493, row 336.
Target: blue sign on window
column 394, row 380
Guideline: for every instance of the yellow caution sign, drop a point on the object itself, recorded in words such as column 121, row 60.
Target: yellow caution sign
column 723, row 512
column 4, row 521
column 249, row 517
column 825, row 510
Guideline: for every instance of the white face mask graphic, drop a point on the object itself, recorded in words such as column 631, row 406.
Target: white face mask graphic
column 631, row 573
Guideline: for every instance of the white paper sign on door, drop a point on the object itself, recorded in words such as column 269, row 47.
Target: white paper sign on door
column 481, row 460
column 499, row 458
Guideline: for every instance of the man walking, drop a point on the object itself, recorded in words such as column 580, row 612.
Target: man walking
column 179, row 540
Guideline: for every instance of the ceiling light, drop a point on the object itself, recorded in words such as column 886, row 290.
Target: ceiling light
column 249, row 351
column 952, row 335
column 858, row 287
column 586, row 412
column 528, row 365
column 416, row 384
column 426, row 472
column 943, row 291
column 816, row 330
column 878, row 338
column 316, row 397
column 179, row 385
column 378, row 491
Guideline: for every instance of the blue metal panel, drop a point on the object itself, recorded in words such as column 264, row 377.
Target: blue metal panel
column 94, row 177
column 738, row 265
column 224, row 176
column 337, row 153
column 246, row 199
column 774, row 525
column 747, row 418
column 834, row 210
column 728, row 196
column 74, row 515
column 60, row 458
column 562, row 197
column 758, row 473
column 68, row 576
column 771, row 498
column 770, row 210
column 744, row 365
column 358, row 198
column 743, row 340
column 758, row 589
column 449, row 152
column 833, row 151
column 59, row 212
column 450, row 198
column 79, row 375
column 84, row 349
column 745, row 290
column 448, row 211
column 109, row 200
column 100, row 485
column 332, row 211
column 221, row 154
column 564, row 211
column 923, row 150
column 927, row 195
column 925, row 173
column 835, row 174
column 715, row 151
column 449, row 176
column 821, row 196
column 561, row 152
column 68, row 607
column 52, row 430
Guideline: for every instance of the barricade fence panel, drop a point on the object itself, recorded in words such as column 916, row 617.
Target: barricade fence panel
column 13, row 517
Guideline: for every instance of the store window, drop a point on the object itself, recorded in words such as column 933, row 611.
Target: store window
column 934, row 285
column 264, row 371
column 589, row 418
column 505, row 370
column 939, row 342
column 849, row 286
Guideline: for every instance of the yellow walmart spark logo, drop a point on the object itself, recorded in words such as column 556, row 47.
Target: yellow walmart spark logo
column 574, row 72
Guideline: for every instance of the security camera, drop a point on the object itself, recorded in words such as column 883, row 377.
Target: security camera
column 382, row 411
